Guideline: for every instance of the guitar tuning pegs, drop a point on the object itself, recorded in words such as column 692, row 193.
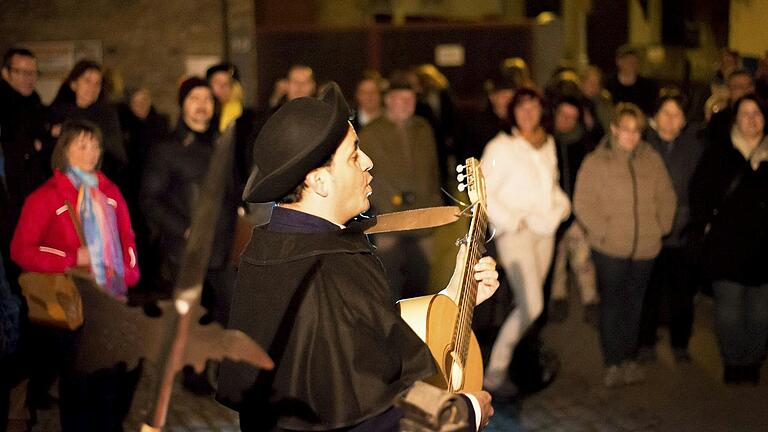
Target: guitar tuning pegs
column 462, row 186
column 461, row 177
column 460, row 168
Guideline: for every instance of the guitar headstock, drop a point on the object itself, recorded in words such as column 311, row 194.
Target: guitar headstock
column 475, row 182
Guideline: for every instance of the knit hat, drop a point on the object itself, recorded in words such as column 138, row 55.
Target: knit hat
column 188, row 84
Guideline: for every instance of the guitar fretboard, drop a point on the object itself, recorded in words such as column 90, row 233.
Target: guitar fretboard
column 468, row 290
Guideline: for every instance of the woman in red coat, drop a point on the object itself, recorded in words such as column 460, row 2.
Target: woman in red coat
column 46, row 240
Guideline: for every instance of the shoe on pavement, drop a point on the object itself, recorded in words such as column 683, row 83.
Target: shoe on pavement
column 613, row 377
column 681, row 355
column 633, row 373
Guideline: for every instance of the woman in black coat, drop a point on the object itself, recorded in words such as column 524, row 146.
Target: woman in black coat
column 81, row 97
column 729, row 202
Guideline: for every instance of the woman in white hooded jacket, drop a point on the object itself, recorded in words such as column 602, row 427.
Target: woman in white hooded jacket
column 525, row 207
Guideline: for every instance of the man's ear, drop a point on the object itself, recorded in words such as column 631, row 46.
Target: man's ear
column 317, row 182
column 6, row 75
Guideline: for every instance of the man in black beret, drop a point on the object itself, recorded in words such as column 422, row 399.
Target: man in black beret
column 311, row 291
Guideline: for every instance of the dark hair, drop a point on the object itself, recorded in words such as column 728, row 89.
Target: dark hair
column 626, row 50
column 570, row 100
column 673, row 94
column 17, row 51
column 65, row 91
column 760, row 105
column 295, row 195
column 225, row 67
column 628, row 109
column 521, row 95
column 398, row 80
column 69, row 131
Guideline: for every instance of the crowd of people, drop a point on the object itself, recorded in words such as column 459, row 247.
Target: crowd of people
column 605, row 183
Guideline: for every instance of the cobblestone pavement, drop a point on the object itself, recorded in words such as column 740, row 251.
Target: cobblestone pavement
column 687, row 397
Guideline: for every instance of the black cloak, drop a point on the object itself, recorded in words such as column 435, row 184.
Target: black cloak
column 320, row 304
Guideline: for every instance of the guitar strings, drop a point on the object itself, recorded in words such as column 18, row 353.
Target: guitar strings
column 470, row 285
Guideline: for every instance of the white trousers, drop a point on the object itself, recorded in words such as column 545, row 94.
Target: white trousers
column 525, row 257
column 574, row 249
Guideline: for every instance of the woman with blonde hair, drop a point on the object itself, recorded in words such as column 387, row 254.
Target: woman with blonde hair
column 626, row 202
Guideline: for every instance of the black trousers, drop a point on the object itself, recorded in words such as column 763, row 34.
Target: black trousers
column 622, row 283
column 669, row 299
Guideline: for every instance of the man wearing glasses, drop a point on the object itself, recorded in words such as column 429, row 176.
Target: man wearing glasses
column 24, row 166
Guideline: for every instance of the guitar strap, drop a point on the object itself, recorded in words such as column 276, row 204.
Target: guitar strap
column 429, row 217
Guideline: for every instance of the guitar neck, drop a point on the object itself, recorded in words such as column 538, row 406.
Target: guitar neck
column 468, row 290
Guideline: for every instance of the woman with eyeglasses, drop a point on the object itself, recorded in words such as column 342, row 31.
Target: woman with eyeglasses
column 626, row 202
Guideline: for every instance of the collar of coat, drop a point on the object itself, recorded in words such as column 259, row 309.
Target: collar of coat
column 273, row 248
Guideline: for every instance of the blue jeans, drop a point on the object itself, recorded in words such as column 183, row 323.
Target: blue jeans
column 741, row 320
column 622, row 283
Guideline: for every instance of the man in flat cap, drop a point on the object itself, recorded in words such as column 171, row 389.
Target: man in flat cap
column 312, row 292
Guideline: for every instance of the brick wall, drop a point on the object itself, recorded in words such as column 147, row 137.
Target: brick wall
column 145, row 40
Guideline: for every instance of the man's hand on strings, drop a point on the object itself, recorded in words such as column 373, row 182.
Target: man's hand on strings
column 484, row 272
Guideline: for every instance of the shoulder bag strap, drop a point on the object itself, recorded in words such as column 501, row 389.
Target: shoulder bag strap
column 75, row 222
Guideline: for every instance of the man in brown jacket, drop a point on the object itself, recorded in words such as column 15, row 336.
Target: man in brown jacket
column 407, row 177
column 625, row 200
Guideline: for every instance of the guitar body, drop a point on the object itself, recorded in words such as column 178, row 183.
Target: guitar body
column 432, row 318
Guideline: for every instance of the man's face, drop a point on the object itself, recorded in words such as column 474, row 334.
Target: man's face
column 198, row 106
column 87, row 88
column 141, row 103
column 500, row 100
column 301, row 83
column 628, row 64
column 740, row 85
column 401, row 104
column 350, row 178
column 221, row 84
column 566, row 118
column 368, row 96
column 22, row 74
column 591, row 84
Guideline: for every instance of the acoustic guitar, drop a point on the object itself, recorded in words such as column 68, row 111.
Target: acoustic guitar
column 443, row 325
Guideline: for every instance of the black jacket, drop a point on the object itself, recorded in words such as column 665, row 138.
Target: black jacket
column 736, row 245
column 65, row 108
column 320, row 304
column 681, row 157
column 22, row 121
column 174, row 174
column 642, row 93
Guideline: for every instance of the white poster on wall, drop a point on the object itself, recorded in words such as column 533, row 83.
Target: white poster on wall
column 449, row 55
column 196, row 65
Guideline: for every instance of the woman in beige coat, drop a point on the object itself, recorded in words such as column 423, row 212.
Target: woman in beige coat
column 625, row 200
